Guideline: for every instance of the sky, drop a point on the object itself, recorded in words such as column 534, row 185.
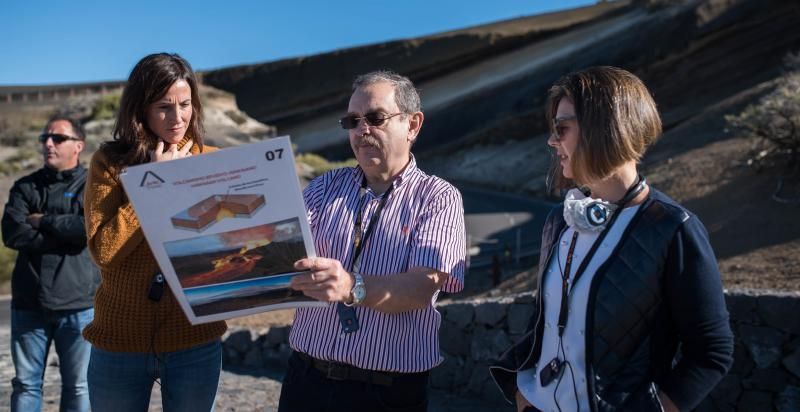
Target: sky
column 52, row 42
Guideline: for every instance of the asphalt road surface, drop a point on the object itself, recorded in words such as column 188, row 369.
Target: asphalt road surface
column 500, row 222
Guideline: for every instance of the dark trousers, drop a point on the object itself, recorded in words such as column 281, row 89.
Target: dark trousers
column 306, row 389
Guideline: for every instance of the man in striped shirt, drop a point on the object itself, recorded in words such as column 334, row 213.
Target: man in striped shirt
column 389, row 239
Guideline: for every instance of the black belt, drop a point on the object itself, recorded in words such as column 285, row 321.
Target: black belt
column 343, row 372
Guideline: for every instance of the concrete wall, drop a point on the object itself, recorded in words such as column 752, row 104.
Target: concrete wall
column 50, row 94
column 765, row 374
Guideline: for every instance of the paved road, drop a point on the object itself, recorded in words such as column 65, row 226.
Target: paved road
column 496, row 219
column 500, row 223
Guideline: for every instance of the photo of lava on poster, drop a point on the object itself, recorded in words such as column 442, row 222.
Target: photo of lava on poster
column 226, row 228
column 240, row 269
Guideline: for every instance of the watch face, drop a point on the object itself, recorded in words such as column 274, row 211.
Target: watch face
column 359, row 293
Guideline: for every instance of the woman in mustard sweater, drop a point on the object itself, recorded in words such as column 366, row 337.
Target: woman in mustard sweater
column 137, row 338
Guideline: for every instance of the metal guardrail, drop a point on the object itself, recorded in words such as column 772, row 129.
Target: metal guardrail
column 484, row 257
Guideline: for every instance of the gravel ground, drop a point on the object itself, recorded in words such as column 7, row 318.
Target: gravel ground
column 240, row 390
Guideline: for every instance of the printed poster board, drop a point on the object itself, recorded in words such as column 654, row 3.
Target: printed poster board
column 226, row 228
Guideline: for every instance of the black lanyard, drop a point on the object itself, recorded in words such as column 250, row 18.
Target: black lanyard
column 563, row 312
column 565, row 289
column 562, row 321
column 359, row 236
column 347, row 314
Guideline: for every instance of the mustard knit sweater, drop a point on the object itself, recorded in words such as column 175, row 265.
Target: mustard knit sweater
column 124, row 319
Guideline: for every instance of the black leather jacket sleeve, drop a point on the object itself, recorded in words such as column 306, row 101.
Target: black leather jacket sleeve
column 18, row 234
column 68, row 228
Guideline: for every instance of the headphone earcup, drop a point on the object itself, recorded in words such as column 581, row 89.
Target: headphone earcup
column 597, row 213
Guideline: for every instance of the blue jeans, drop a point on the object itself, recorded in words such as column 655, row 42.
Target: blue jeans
column 31, row 334
column 122, row 381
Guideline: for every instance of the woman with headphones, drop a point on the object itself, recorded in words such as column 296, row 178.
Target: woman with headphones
column 630, row 313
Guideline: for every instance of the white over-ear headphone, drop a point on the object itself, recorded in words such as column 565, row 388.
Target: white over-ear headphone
column 586, row 214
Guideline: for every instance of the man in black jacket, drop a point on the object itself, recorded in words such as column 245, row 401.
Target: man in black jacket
column 54, row 279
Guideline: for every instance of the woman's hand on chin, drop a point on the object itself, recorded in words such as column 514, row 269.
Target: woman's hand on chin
column 171, row 153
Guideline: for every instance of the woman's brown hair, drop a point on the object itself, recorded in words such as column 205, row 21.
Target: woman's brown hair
column 149, row 81
column 617, row 116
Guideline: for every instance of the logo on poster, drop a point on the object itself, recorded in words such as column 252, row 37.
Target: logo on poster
column 151, row 180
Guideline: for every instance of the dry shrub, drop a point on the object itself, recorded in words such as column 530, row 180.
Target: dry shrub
column 775, row 118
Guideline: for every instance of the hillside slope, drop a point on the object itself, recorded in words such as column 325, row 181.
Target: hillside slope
column 485, row 127
column 483, row 91
column 287, row 91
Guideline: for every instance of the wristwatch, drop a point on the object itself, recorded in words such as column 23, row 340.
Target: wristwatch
column 359, row 291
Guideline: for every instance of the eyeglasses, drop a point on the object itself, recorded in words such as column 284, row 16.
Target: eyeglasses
column 57, row 138
column 558, row 130
column 373, row 119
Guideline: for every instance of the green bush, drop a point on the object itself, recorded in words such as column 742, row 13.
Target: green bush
column 23, row 159
column 7, row 259
column 106, row 107
column 16, row 137
column 320, row 165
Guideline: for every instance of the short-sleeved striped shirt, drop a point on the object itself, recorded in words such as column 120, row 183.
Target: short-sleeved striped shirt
column 421, row 225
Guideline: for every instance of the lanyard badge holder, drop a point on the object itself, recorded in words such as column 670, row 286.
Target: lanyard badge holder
column 347, row 314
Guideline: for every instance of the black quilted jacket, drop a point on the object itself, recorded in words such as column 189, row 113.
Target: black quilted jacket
column 659, row 289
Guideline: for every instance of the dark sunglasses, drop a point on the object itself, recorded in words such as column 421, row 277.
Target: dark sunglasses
column 373, row 119
column 57, row 138
column 558, row 130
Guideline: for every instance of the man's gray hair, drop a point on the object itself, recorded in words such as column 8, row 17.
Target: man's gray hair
column 405, row 94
